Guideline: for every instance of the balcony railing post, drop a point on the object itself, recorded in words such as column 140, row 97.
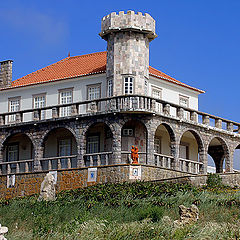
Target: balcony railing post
column 91, row 161
column 69, row 162
column 107, row 159
column 8, row 168
column 166, row 109
column 180, row 112
column 36, row 115
column 55, row 112
column 59, row 166
column 74, row 110
column 218, row 123
column 17, row 167
column 113, row 104
column 193, row 116
column 18, row 117
column 26, row 167
column 2, row 120
column 206, row 120
column 49, row 164
column 99, row 160
column 230, row 126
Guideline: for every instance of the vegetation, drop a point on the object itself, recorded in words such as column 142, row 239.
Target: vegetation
column 140, row 210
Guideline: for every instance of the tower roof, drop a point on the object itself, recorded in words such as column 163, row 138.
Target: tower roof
column 80, row 66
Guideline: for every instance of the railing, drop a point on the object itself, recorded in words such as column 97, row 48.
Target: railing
column 190, row 166
column 126, row 103
column 126, row 157
column 98, row 159
column 57, row 163
column 13, row 167
column 164, row 161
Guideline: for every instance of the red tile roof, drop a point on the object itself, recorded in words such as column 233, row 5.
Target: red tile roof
column 79, row 66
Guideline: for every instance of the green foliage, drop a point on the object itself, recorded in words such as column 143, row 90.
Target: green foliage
column 152, row 212
column 214, row 180
column 124, row 211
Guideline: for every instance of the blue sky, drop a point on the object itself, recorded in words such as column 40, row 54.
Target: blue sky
column 198, row 41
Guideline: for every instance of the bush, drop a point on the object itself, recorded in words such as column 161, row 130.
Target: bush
column 153, row 212
column 214, row 180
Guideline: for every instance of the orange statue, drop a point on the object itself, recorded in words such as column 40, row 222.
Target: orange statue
column 134, row 155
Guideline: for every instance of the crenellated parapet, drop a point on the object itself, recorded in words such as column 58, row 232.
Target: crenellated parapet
column 129, row 21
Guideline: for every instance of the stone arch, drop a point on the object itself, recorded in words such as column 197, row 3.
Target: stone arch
column 91, row 123
column 191, row 147
column 10, row 134
column 171, row 138
column 134, row 132
column 219, row 151
column 198, row 138
column 98, row 143
column 59, row 144
column 48, row 131
column 17, row 146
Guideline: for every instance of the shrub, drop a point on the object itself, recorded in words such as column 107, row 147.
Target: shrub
column 214, row 180
column 153, row 212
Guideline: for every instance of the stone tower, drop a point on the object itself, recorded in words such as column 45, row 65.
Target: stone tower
column 128, row 36
column 5, row 73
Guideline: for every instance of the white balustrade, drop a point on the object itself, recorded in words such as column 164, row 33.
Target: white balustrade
column 190, row 166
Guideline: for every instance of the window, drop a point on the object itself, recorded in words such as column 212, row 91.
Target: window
column 65, row 96
column 13, row 155
column 127, row 132
column 14, row 105
column 157, row 145
column 64, row 147
column 12, row 151
column 93, row 144
column 128, row 85
column 94, row 92
column 157, row 93
column 39, row 101
column 184, row 101
column 110, row 88
column 146, row 87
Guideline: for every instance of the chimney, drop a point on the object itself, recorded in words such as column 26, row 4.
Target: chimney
column 5, row 73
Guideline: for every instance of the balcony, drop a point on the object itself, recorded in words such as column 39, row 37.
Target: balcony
column 122, row 104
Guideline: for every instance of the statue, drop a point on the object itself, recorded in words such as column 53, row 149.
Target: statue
column 47, row 191
column 134, row 155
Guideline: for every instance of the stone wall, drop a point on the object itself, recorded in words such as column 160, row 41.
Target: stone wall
column 29, row 184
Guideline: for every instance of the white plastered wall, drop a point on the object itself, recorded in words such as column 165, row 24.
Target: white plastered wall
column 51, row 89
column 171, row 92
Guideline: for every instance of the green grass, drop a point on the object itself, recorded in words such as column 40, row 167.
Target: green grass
column 125, row 211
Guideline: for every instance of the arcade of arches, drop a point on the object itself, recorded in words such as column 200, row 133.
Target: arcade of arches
column 63, row 148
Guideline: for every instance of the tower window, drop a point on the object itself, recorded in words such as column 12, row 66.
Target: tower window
column 110, row 88
column 128, row 85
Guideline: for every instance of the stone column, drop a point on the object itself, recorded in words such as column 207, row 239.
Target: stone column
column 150, row 160
column 39, row 151
column 229, row 162
column 116, row 146
column 81, row 148
column 203, row 158
column 175, row 153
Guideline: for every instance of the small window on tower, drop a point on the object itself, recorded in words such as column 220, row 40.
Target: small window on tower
column 110, row 88
column 128, row 85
